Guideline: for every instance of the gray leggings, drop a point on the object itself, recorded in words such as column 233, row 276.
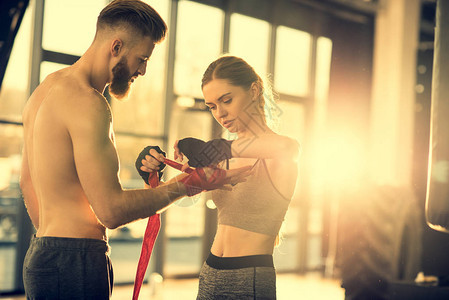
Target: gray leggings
column 245, row 277
column 67, row 268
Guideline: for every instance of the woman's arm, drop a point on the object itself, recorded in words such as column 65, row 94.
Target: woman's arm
column 273, row 146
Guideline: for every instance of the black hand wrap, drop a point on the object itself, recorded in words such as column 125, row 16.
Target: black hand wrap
column 202, row 154
column 190, row 146
column 142, row 154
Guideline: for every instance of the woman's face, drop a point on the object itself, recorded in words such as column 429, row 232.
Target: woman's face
column 230, row 105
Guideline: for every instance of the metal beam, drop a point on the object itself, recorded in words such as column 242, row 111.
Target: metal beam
column 160, row 245
column 36, row 46
column 59, row 58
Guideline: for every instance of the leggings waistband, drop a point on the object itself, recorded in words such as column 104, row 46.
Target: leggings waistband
column 239, row 262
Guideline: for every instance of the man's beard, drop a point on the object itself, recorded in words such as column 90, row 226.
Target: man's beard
column 120, row 84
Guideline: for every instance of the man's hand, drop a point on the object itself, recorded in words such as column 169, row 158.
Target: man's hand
column 150, row 160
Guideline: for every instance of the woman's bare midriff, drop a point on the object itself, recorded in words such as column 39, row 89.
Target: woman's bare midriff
column 232, row 241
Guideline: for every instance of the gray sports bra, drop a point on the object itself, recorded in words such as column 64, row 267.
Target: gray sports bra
column 255, row 205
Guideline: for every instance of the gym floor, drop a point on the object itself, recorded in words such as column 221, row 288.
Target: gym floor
column 289, row 287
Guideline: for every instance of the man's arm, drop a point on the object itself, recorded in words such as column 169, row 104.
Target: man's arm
column 97, row 164
column 29, row 195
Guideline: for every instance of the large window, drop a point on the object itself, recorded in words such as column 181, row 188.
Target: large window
column 13, row 97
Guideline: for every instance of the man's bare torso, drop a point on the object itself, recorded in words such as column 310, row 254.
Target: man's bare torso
column 64, row 210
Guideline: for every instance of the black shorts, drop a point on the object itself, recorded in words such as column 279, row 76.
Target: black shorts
column 67, row 268
column 244, row 277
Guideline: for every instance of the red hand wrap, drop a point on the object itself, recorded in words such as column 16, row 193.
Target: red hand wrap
column 197, row 181
column 153, row 226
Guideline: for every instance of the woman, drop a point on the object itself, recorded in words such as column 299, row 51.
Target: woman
column 240, row 264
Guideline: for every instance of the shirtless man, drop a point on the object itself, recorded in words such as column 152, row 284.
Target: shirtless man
column 69, row 175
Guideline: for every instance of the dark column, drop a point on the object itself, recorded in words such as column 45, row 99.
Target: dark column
column 437, row 202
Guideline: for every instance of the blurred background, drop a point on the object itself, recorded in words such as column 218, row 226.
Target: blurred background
column 353, row 80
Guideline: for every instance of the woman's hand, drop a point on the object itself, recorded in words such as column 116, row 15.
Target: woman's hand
column 178, row 154
column 203, row 154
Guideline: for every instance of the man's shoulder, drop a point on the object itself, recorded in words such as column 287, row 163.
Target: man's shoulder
column 73, row 89
column 88, row 104
column 74, row 100
column 74, row 94
column 83, row 96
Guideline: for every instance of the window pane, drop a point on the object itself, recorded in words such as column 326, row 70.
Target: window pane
column 291, row 124
column 69, row 26
column 144, row 110
column 10, row 197
column 286, row 255
column 198, row 43
column 185, row 226
column 292, row 120
column 14, row 90
column 249, row 40
column 185, row 220
column 314, row 252
column 323, row 66
column 319, row 158
column 48, row 67
column 291, row 75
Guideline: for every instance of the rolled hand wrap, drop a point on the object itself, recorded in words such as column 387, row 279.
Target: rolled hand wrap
column 142, row 154
column 202, row 154
column 197, row 181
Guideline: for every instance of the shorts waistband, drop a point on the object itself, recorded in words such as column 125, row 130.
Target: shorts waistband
column 239, row 262
column 71, row 243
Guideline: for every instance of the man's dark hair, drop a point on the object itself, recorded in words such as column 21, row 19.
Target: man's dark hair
column 135, row 15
